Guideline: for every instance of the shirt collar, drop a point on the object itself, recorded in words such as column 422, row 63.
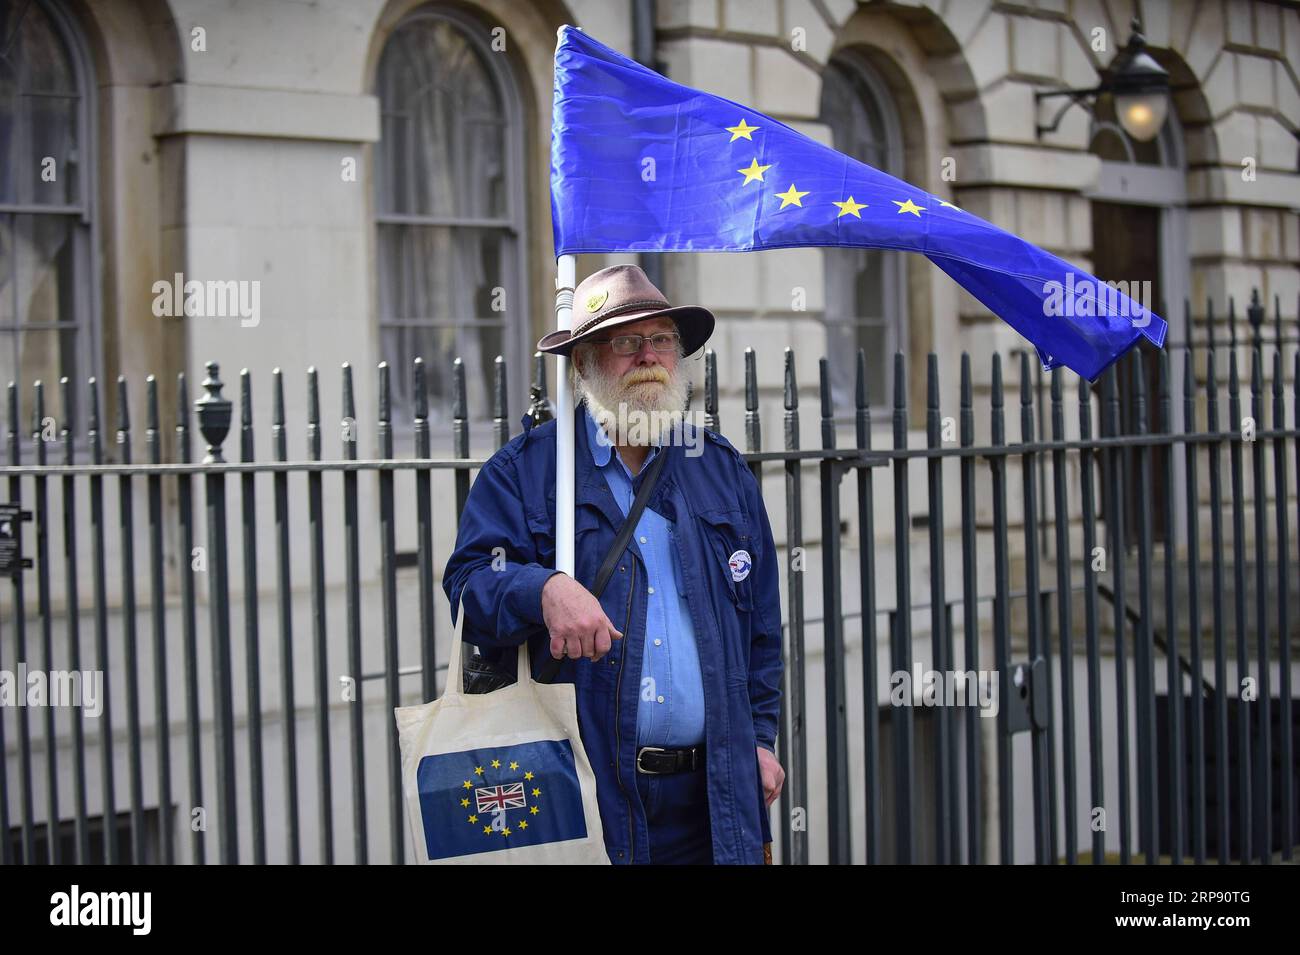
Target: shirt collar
column 601, row 449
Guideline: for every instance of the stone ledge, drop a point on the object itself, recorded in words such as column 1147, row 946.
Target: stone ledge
column 189, row 109
column 1217, row 184
column 1004, row 165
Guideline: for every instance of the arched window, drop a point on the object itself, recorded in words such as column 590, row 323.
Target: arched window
column 865, row 303
column 449, row 211
column 47, row 287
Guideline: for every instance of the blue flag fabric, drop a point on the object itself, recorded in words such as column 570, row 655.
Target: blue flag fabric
column 481, row 800
column 642, row 164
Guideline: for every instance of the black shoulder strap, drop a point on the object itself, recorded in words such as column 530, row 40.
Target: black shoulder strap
column 551, row 666
column 629, row 524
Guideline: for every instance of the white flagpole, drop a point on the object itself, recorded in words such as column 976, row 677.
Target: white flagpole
column 565, row 282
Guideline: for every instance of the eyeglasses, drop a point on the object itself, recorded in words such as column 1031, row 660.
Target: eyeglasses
column 631, row 344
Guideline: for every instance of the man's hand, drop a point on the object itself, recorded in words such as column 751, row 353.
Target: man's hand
column 772, row 773
column 577, row 624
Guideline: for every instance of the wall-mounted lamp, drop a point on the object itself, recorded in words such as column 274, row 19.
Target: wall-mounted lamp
column 1139, row 85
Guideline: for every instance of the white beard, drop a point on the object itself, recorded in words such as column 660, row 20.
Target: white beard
column 635, row 415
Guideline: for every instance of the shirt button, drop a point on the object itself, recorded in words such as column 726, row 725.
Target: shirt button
column 658, row 641
column 661, row 699
column 642, row 539
column 650, row 589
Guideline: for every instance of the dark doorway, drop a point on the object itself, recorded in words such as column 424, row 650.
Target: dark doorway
column 1213, row 796
column 1126, row 248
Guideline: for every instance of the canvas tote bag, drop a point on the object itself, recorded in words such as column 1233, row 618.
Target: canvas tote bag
column 500, row 777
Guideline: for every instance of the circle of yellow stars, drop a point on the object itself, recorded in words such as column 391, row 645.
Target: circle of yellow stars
column 793, row 196
column 472, row 818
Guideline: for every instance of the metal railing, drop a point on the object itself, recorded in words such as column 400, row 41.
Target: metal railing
column 1207, row 806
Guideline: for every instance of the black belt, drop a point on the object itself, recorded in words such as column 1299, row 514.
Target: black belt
column 658, row 761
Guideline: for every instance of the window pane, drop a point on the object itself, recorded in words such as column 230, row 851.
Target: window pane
column 842, row 343
column 443, row 150
column 873, row 341
column 445, row 293
column 38, row 312
column 867, row 270
column 863, row 301
column 38, row 109
column 858, row 316
column 849, row 108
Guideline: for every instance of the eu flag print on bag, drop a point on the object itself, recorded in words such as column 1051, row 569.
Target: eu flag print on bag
column 642, row 164
column 482, row 800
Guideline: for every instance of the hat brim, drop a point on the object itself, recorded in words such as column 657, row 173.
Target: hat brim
column 694, row 324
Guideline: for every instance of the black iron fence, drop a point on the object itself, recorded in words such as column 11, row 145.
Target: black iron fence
column 1040, row 573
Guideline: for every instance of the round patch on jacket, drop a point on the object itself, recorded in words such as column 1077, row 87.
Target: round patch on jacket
column 740, row 563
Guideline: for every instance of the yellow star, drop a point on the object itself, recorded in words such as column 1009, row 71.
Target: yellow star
column 791, row 197
column 523, row 824
column 534, row 810
column 741, row 131
column 755, row 171
column 850, row 208
column 487, row 830
column 496, row 764
column 467, row 785
column 514, row 765
column 908, row 206
column 473, row 818
column 478, row 770
column 505, row 832
column 528, row 775
column 537, row 792
column 464, row 802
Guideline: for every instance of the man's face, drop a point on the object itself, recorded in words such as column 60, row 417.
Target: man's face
column 645, row 373
column 647, row 381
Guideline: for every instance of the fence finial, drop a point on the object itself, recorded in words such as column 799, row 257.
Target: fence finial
column 827, row 406
column 753, row 430
column 539, row 406
column 711, row 391
column 152, row 437
column 214, row 415
column 13, row 423
column 1255, row 315
column 500, row 402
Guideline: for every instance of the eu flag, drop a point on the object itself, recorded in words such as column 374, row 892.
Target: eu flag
column 642, row 164
column 482, row 800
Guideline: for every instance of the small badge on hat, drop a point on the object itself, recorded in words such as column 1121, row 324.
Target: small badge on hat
column 740, row 563
column 596, row 299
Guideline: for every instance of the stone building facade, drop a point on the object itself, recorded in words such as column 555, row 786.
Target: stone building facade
column 379, row 168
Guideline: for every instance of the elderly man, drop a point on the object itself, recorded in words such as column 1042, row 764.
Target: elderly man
column 677, row 667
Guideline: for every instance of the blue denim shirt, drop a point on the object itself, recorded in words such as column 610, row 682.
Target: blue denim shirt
column 671, row 711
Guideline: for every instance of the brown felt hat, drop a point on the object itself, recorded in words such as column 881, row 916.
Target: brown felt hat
column 619, row 295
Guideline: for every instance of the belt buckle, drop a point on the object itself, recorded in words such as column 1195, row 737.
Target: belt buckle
column 642, row 751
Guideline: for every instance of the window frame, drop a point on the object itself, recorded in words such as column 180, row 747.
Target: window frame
column 87, row 297
column 513, row 226
column 894, row 277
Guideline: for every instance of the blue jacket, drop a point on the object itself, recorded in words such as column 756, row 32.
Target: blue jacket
column 715, row 503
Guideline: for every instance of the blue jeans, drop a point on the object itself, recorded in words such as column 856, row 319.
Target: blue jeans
column 677, row 811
